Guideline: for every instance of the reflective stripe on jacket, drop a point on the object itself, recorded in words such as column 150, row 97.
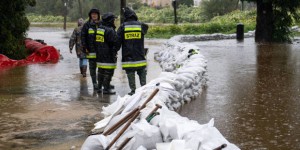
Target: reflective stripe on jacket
column 91, row 56
column 134, row 64
column 106, row 65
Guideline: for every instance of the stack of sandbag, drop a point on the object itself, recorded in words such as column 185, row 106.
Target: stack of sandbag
column 182, row 79
column 186, row 67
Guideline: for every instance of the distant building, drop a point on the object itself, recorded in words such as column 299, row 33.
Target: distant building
column 197, row 3
column 163, row 3
column 157, row 3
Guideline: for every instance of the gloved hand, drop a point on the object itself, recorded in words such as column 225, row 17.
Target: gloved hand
column 71, row 51
column 86, row 51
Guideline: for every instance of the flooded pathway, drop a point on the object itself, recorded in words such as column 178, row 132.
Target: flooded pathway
column 253, row 93
column 50, row 106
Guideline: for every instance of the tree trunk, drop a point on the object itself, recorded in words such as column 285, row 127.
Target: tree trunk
column 80, row 8
column 123, row 5
column 264, row 21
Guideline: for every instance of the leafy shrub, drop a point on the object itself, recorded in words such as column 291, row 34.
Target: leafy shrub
column 220, row 24
column 47, row 18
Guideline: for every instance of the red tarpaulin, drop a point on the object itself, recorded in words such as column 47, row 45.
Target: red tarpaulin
column 40, row 53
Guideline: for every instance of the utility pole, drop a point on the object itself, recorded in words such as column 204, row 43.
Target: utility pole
column 123, row 5
column 80, row 8
column 65, row 11
column 174, row 4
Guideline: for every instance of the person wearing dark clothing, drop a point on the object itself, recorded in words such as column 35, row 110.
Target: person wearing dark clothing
column 107, row 46
column 88, row 39
column 76, row 40
column 131, row 34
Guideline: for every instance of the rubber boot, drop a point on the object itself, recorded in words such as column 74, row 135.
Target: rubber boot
column 111, row 86
column 95, row 85
column 100, row 82
column 142, row 76
column 106, row 85
column 131, row 92
column 131, row 80
column 83, row 71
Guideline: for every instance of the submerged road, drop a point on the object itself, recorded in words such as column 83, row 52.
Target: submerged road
column 50, row 106
column 253, row 93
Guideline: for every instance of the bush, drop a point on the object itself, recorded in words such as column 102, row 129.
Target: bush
column 47, row 18
column 166, row 15
column 221, row 24
column 13, row 27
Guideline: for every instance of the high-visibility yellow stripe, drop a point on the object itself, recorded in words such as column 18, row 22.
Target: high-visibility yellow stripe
column 130, row 65
column 100, row 32
column 133, row 29
column 91, row 31
column 91, row 55
column 106, row 65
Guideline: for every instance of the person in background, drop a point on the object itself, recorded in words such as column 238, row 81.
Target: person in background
column 76, row 40
column 106, row 49
column 131, row 34
column 88, row 40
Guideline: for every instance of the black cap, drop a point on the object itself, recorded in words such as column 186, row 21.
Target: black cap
column 107, row 17
column 129, row 14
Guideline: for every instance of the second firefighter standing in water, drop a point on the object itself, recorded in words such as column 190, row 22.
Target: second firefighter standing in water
column 107, row 46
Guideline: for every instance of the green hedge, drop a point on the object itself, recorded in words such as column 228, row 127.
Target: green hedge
column 47, row 18
column 222, row 24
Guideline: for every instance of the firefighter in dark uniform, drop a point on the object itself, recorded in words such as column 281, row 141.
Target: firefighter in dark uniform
column 88, row 36
column 131, row 34
column 107, row 46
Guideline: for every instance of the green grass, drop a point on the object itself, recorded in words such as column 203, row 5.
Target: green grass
column 53, row 25
column 222, row 24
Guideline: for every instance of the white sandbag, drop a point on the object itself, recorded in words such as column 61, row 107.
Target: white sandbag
column 145, row 135
column 174, row 145
column 95, row 142
column 141, row 148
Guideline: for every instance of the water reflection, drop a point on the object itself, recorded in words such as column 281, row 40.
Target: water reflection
column 253, row 93
column 13, row 80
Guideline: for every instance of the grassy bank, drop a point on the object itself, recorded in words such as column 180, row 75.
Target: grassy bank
column 222, row 24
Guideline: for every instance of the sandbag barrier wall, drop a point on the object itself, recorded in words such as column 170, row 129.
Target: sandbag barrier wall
column 188, row 66
column 182, row 79
column 186, row 61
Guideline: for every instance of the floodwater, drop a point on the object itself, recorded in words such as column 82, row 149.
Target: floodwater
column 50, row 106
column 253, row 93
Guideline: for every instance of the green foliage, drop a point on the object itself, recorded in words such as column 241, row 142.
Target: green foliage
column 186, row 2
column 285, row 13
column 221, row 24
column 166, row 15
column 13, row 27
column 56, row 7
column 47, row 18
column 212, row 8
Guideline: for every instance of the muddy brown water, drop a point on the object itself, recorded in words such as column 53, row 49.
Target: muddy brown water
column 50, row 106
column 253, row 94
